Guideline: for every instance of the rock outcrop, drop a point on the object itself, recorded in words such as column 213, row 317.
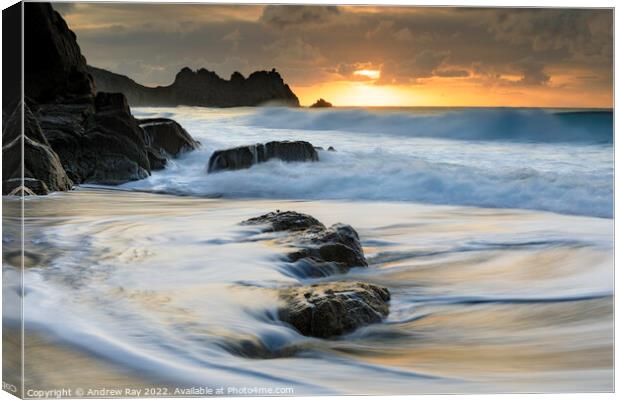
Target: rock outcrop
column 26, row 187
column 73, row 135
column 285, row 221
column 53, row 63
column 167, row 136
column 320, row 251
column 325, row 309
column 42, row 169
column 98, row 140
column 246, row 156
column 324, row 251
column 321, row 103
column 331, row 309
column 202, row 88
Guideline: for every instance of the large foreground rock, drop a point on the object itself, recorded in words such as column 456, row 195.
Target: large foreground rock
column 285, row 221
column 53, row 63
column 246, row 156
column 42, row 169
column 320, row 251
column 324, row 251
column 95, row 137
column 97, row 140
column 332, row 309
column 40, row 163
column 327, row 309
column 25, row 187
column 167, row 137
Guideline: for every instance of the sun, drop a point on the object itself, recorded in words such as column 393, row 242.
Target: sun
column 368, row 73
column 358, row 94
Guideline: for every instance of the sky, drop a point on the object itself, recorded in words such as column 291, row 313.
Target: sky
column 364, row 55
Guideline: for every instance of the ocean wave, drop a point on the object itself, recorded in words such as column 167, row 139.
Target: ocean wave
column 500, row 158
column 380, row 175
column 517, row 125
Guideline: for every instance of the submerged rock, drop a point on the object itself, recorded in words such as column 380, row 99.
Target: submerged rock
column 332, row 309
column 167, row 136
column 321, row 251
column 246, row 156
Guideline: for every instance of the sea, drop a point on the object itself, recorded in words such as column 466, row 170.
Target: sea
column 491, row 227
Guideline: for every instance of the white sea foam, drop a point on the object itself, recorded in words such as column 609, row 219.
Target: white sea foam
column 175, row 289
column 489, row 158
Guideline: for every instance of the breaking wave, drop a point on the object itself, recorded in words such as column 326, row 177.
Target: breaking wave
column 509, row 170
column 518, row 125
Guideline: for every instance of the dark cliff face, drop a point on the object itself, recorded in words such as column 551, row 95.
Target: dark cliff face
column 202, row 88
column 73, row 135
column 54, row 66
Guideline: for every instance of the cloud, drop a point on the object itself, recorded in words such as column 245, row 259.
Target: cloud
column 233, row 36
column 452, row 73
column 295, row 16
column 533, row 73
column 403, row 34
column 64, row 8
column 423, row 65
column 578, row 32
column 486, row 48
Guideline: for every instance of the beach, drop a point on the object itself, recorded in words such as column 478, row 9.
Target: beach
column 173, row 290
column 290, row 200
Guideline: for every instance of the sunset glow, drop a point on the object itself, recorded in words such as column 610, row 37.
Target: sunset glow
column 368, row 73
column 374, row 56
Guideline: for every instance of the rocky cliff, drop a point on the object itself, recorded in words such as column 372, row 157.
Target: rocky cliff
column 73, row 135
column 201, row 88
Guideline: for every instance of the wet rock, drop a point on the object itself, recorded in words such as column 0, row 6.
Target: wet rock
column 157, row 161
column 95, row 136
column 255, row 348
column 167, row 136
column 330, row 148
column 40, row 163
column 111, row 102
column 321, row 251
column 321, row 103
column 331, row 309
column 285, row 221
column 98, row 141
column 13, row 126
column 337, row 246
column 246, row 156
column 28, row 260
column 27, row 187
